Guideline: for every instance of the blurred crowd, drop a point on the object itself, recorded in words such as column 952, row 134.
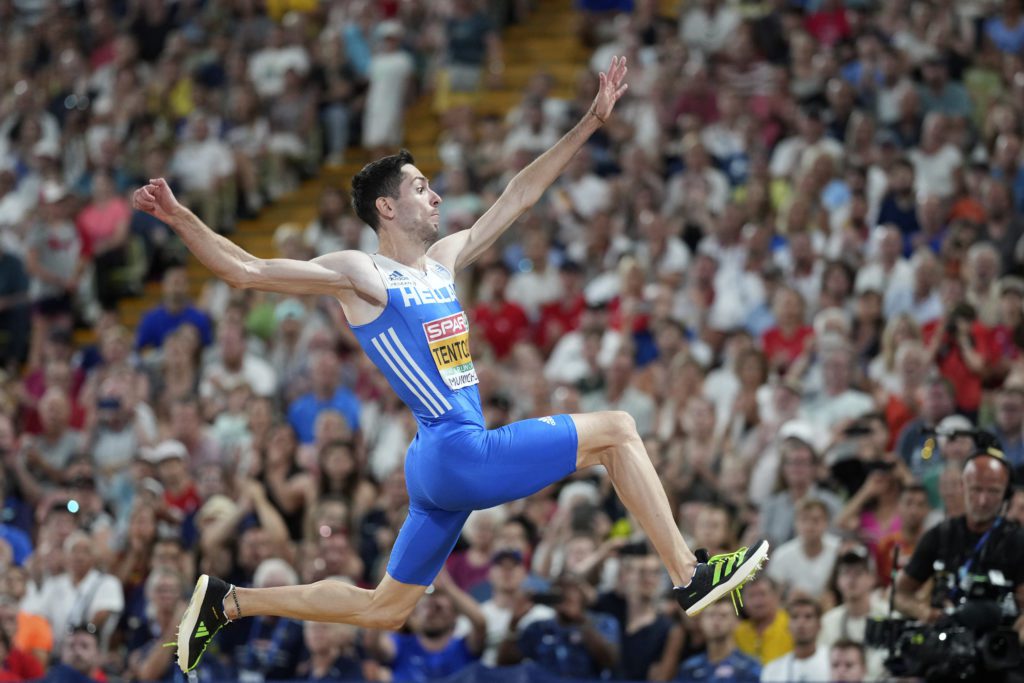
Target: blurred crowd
column 794, row 255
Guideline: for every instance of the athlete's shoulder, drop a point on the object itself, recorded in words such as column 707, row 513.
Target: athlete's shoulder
column 359, row 268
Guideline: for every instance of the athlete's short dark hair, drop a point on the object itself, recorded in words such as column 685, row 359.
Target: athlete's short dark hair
column 380, row 178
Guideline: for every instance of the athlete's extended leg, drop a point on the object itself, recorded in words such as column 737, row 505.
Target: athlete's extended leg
column 385, row 607
column 611, row 439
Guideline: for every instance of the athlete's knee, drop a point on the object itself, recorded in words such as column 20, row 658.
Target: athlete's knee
column 386, row 612
column 622, row 426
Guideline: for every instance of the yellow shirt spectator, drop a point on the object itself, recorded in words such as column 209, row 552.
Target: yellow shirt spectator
column 771, row 643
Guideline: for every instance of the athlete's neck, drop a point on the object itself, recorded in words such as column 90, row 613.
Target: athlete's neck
column 403, row 250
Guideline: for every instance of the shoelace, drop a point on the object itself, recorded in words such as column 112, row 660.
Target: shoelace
column 726, row 562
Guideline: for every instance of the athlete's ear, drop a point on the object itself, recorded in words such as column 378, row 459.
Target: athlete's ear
column 385, row 207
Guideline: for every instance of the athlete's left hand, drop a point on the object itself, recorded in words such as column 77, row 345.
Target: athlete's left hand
column 612, row 87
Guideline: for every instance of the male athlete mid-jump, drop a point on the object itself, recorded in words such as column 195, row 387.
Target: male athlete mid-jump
column 402, row 306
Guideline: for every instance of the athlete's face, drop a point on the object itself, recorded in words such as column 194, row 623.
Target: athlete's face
column 417, row 206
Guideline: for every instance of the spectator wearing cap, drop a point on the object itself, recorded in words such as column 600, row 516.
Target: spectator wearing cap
column 510, row 609
column 764, row 631
column 170, row 459
column 855, row 580
column 721, row 660
column 804, row 564
column 175, row 310
column 1008, row 423
column 809, row 660
column 576, row 643
column 432, row 649
column 81, row 595
column 327, row 393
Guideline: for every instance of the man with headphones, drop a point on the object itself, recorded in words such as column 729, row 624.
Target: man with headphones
column 974, row 543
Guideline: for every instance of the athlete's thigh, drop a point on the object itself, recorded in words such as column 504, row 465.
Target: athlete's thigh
column 521, row 458
column 424, row 542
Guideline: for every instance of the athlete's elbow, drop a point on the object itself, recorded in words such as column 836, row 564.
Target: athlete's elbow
column 242, row 275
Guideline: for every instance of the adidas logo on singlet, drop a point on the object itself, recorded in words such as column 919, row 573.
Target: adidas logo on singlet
column 547, row 420
column 395, row 275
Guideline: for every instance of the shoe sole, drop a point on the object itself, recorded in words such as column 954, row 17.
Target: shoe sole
column 189, row 619
column 754, row 562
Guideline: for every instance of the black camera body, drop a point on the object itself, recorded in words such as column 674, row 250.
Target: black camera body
column 974, row 641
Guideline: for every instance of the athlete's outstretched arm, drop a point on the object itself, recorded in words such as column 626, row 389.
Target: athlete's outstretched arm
column 523, row 191
column 329, row 274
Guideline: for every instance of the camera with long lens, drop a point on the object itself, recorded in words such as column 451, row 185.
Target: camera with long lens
column 975, row 641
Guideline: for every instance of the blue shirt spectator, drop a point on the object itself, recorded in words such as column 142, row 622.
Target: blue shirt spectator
column 1004, row 35
column 735, row 668
column 327, row 394
column 172, row 313
column 560, row 648
column 414, row 663
column 21, row 545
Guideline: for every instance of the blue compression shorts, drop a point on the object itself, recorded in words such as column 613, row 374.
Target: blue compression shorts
column 453, row 469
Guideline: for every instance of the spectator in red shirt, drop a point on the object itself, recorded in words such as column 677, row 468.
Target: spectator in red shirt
column 171, row 461
column 787, row 339
column 956, row 343
column 1003, row 343
column 562, row 316
column 103, row 228
column 828, row 24
column 501, row 322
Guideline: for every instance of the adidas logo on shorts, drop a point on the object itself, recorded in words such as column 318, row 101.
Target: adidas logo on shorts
column 547, row 420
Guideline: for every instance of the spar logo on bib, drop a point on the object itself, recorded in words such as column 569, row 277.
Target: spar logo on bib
column 448, row 338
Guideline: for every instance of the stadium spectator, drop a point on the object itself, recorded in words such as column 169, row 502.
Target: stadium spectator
column 432, row 650
column 808, row 660
column 804, row 564
column 575, row 643
column 722, row 660
column 175, row 311
column 764, row 633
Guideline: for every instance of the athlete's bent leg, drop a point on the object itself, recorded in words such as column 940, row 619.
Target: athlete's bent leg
column 610, row 439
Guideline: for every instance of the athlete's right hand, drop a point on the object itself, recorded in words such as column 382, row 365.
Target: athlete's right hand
column 156, row 199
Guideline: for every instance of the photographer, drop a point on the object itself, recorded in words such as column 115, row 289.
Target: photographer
column 973, row 544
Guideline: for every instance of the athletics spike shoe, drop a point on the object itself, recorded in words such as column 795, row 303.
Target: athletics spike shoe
column 719, row 575
column 203, row 618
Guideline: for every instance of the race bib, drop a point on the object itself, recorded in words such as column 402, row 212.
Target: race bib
column 448, row 338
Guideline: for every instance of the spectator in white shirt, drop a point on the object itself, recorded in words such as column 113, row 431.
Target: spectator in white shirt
column 855, row 579
column 936, row 160
column 205, row 165
column 804, row 564
column 81, row 595
column 267, row 67
column 709, row 26
column 808, row 661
